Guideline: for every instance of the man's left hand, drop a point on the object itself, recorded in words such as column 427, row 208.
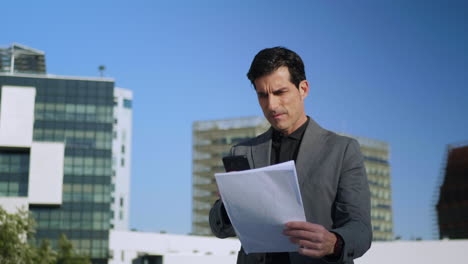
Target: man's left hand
column 313, row 239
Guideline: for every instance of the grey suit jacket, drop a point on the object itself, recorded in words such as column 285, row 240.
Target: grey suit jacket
column 334, row 189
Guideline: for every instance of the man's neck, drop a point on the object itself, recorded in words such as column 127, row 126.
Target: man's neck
column 299, row 124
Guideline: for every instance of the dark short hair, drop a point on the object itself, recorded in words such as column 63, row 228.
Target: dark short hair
column 269, row 60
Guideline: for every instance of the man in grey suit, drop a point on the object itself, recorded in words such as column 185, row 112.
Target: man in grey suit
column 330, row 169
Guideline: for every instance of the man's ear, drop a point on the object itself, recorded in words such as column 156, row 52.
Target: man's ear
column 304, row 89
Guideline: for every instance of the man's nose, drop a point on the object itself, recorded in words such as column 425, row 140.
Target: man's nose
column 272, row 103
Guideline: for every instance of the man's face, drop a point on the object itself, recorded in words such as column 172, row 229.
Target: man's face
column 281, row 101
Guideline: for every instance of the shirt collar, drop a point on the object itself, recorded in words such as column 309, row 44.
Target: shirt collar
column 297, row 134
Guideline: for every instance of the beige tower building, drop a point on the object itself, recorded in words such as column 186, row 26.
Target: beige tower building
column 376, row 160
column 213, row 139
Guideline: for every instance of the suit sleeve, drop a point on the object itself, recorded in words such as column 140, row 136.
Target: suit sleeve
column 351, row 213
column 220, row 224
column 219, row 221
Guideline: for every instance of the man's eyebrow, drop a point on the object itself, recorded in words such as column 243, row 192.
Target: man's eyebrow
column 282, row 89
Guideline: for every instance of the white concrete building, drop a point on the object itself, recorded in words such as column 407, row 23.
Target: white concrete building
column 180, row 249
column 126, row 246
column 121, row 154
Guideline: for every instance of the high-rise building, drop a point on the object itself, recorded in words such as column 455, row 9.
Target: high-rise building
column 452, row 207
column 65, row 147
column 213, row 139
column 376, row 160
column 21, row 59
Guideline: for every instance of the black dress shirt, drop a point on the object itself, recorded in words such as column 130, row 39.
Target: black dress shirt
column 284, row 148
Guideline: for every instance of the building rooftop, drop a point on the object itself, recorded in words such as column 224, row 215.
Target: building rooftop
column 232, row 123
column 53, row 76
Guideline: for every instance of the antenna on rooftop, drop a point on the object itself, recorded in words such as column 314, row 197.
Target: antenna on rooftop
column 101, row 69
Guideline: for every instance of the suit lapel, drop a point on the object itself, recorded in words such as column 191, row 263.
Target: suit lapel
column 262, row 150
column 309, row 150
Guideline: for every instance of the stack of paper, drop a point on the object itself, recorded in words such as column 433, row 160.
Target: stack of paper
column 259, row 202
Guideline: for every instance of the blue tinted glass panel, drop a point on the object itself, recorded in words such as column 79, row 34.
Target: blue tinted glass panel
column 127, row 103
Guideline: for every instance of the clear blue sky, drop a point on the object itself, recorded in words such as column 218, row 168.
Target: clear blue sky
column 394, row 70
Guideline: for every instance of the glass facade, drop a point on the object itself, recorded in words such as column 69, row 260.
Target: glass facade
column 14, row 169
column 127, row 103
column 80, row 114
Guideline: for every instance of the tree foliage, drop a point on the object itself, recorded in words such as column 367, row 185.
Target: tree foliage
column 14, row 232
column 45, row 254
column 66, row 254
column 17, row 243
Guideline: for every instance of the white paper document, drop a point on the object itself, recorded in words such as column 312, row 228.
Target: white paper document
column 259, row 202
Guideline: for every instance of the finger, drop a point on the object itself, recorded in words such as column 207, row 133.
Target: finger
column 303, row 225
column 298, row 233
column 301, row 234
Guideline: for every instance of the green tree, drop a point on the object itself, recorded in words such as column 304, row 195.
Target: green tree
column 45, row 254
column 15, row 229
column 67, row 255
column 15, row 232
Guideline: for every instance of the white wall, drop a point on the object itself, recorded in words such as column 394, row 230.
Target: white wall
column 46, row 158
column 123, row 130
column 13, row 204
column 178, row 249
column 416, row 252
column 174, row 248
column 17, row 116
column 46, row 173
column 179, row 259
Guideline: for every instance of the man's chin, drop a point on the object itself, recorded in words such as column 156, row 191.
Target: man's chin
column 277, row 124
column 278, row 127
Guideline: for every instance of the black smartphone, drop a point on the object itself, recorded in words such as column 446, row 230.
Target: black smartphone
column 236, row 163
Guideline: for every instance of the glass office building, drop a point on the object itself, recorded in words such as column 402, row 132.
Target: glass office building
column 86, row 118
column 65, row 151
column 14, row 166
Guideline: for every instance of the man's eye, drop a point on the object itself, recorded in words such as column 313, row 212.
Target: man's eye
column 280, row 92
column 262, row 95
